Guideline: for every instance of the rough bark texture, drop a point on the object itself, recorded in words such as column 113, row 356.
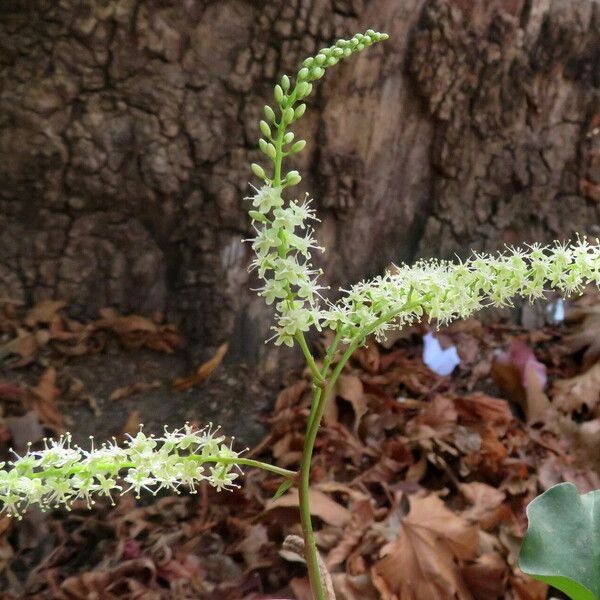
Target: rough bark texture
column 127, row 128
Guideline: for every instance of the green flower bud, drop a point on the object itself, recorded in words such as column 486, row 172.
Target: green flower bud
column 332, row 60
column 339, row 52
column 288, row 137
column 298, row 146
column 262, row 144
column 320, row 58
column 270, row 114
column 271, row 153
column 288, row 115
column 299, row 111
column 278, row 93
column 360, row 47
column 370, row 33
column 318, row 72
column 309, row 62
column 265, row 129
column 302, row 89
column 293, row 178
column 303, row 73
column 347, row 52
column 256, row 216
column 285, row 83
column 258, row 171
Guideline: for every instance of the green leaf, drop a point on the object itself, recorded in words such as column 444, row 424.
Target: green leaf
column 283, row 488
column 562, row 545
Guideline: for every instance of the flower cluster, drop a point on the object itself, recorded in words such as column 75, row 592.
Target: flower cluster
column 276, row 143
column 446, row 291
column 61, row 473
column 282, row 260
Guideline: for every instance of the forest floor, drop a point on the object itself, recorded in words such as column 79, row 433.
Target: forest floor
column 420, row 481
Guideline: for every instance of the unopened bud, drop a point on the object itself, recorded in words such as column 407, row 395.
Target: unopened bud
column 278, row 93
column 299, row 111
column 265, row 129
column 285, row 83
column 269, row 114
column 293, row 178
column 258, row 171
column 298, row 146
column 288, row 115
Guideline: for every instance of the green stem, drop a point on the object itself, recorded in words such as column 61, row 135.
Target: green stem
column 310, row 361
column 320, row 400
column 75, row 469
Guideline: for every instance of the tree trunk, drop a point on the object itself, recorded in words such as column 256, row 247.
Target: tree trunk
column 127, row 130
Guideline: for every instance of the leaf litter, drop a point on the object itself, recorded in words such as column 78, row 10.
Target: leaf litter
column 420, row 480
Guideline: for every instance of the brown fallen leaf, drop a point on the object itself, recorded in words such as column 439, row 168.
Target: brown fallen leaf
column 353, row 587
column 321, row 506
column 131, row 425
column 420, row 564
column 588, row 337
column 483, row 499
column 136, row 331
column 132, row 389
column 350, row 388
column 362, row 517
column 202, row 372
column 43, row 400
column 522, row 378
column 25, row 346
column 44, row 312
column 571, row 394
column 478, row 407
column 255, row 547
column 25, row 429
column 527, row 588
column 486, row 577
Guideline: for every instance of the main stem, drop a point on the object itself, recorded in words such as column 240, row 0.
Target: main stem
column 319, row 402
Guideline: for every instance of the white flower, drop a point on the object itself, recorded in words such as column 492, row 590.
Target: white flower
column 60, row 473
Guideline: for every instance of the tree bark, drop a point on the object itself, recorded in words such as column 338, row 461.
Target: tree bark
column 127, row 128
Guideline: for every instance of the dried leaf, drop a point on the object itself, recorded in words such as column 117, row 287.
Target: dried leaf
column 350, row 388
column 25, row 429
column 25, row 346
column 321, row 506
column 483, row 499
column 571, row 394
column 421, row 563
column 44, row 312
column 522, row 378
column 43, row 399
column 479, row 407
column 254, row 547
column 132, row 424
column 588, row 337
column 132, row 389
column 486, row 577
column 203, row 371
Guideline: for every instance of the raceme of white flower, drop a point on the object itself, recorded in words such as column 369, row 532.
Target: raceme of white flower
column 283, row 240
column 441, row 290
column 445, row 290
column 61, row 472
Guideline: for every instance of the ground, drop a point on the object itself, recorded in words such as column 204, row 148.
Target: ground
column 419, row 483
